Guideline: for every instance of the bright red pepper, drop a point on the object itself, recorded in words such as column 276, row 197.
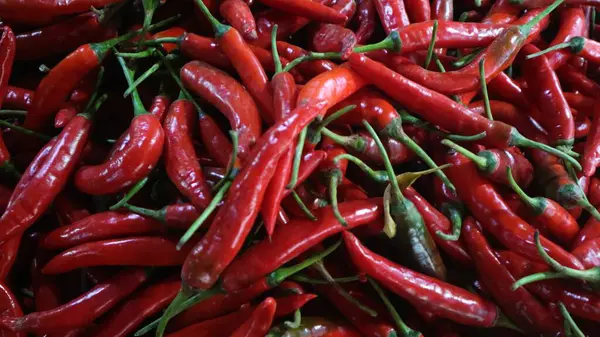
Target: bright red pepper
column 17, row 98
column 573, row 23
column 333, row 38
column 418, row 11
column 171, row 32
column 258, row 324
column 238, row 14
column 577, row 81
column 392, row 14
column 307, row 9
column 588, row 253
column 366, row 19
column 55, row 7
column 8, row 47
column 9, row 306
column 78, row 100
column 288, row 24
column 310, row 68
column 502, row 11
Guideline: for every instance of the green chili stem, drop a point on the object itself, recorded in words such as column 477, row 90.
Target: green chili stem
column 141, row 79
column 576, row 44
column 570, row 321
column 25, row 131
column 543, row 276
column 295, row 324
column 519, row 140
column 481, row 162
column 231, row 171
column 465, row 60
column 138, row 106
column 439, row 64
column 334, row 181
column 484, row 91
column 531, row 202
column 526, row 28
column 339, row 113
column 130, row 194
column 137, row 55
column 378, row 176
column 431, row 44
column 217, row 26
column 386, row 161
column 297, row 159
column 338, row 139
column 281, row 274
column 170, row 312
column 9, row 112
column 274, row 51
column 454, row 215
column 150, row 213
column 405, row 330
column 303, row 206
column 304, row 279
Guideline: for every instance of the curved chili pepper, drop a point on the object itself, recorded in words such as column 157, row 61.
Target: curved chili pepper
column 181, row 163
column 588, row 253
column 545, row 92
column 488, row 207
column 78, row 100
column 494, row 163
column 9, row 306
column 45, row 177
column 579, row 102
column 310, row 162
column 218, row 327
column 132, row 158
column 132, row 251
column 333, row 38
column 287, row 24
column 520, row 305
column 83, row 309
column 583, row 125
column 259, row 322
column 573, row 23
column 229, row 97
column 580, row 302
column 293, row 238
column 214, row 140
column 45, row 289
column 310, row 10
column 450, row 301
column 316, row 326
column 159, row 107
column 591, row 152
column 233, row 221
column 17, row 98
column 575, row 80
column 8, row 256
column 238, row 14
column 122, row 321
column 61, row 37
column 310, row 68
column 392, row 14
column 365, row 17
column 8, row 46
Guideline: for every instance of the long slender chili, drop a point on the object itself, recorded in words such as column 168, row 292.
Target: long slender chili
column 8, row 46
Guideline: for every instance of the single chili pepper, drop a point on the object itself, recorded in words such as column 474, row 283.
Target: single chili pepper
column 583, row 125
column 579, row 102
column 47, row 175
column 580, row 302
column 214, row 140
column 259, row 322
column 452, row 302
column 545, row 92
column 588, row 253
column 493, row 164
column 293, row 238
column 315, row 326
column 62, row 37
column 454, row 118
column 131, row 251
column 310, row 68
column 229, row 97
column 577, row 81
column 82, row 310
column 418, row 11
column 100, row 226
column 145, row 303
column 8, row 256
column 222, row 242
column 521, row 306
column 392, row 14
column 488, row 207
column 56, row 7
column 8, row 45
column 9, row 306
column 591, row 153
column 333, row 38
column 573, row 23
column 288, row 25
column 310, row 10
column 238, row 14
column 160, row 106
column 365, row 17
column 171, row 32
column 181, row 162
column 590, row 231
column 17, row 98
column 177, row 215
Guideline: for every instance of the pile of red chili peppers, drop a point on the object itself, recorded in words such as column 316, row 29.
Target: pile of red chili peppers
column 281, row 168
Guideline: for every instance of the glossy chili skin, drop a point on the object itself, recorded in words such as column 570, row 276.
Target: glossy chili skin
column 450, row 302
column 573, row 23
column 577, row 81
column 588, row 253
column 591, row 152
column 366, row 17
column 310, row 162
column 45, row 177
column 131, row 251
column 520, row 305
column 56, row 7
column 309, row 68
column 579, row 302
column 9, row 306
column 214, row 140
column 333, row 38
column 294, row 238
column 77, row 101
column 17, row 98
column 237, row 13
column 392, row 14
column 288, row 24
column 143, row 304
column 8, row 256
column 489, row 208
column 181, row 162
column 545, row 91
column 82, row 310
column 310, row 10
column 132, row 158
column 229, row 96
column 8, row 47
column 259, row 322
column 233, row 221
column 436, row 221
column 590, row 231
column 502, row 11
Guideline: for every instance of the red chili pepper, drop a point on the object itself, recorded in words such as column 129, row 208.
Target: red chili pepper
column 17, row 98
column 591, row 154
column 578, row 81
column 520, row 305
column 55, row 7
column 171, row 32
column 442, row 299
column 159, row 107
column 581, row 103
column 502, row 11
column 392, row 14
column 294, row 238
column 494, row 214
column 366, row 19
column 214, row 140
column 307, row 9
column 588, row 253
column 309, row 68
column 122, row 321
column 131, row 251
column 543, row 3
column 229, row 96
column 45, row 289
column 508, row 90
column 234, row 220
column 132, row 158
column 545, row 92
column 288, row 24
column 45, row 177
column 238, row 14
column 8, row 256
column 8, row 47
column 316, row 326
column 82, row 310
column 259, row 322
column 418, row 11
column 579, row 302
column 181, row 162
column 573, row 23
column 78, row 100
column 333, row 38
column 583, row 125
column 9, row 306
column 308, row 165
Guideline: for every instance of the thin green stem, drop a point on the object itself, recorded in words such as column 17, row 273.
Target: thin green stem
column 334, row 181
column 231, row 171
column 404, row 329
column 386, row 160
column 297, row 159
column 465, row 60
column 518, row 190
column 274, row 50
column 24, row 130
column 275, row 278
column 517, row 139
column 575, row 330
column 304, row 279
column 484, row 91
column 431, row 47
column 138, row 106
column 141, row 79
column 303, row 206
column 138, row 55
column 526, row 28
column 333, row 117
column 543, row 276
column 480, row 162
column 217, row 26
column 295, row 324
column 455, row 217
column 9, row 112
column 130, row 194
column 378, row 176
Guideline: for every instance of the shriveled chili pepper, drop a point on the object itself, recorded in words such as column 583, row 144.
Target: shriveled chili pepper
column 448, row 115
column 451, row 302
column 17, row 98
column 521, row 306
column 580, row 302
column 293, row 238
column 365, row 17
column 82, row 310
column 238, row 14
column 259, row 322
column 494, row 162
column 131, row 251
column 181, row 162
column 310, row 10
column 123, row 320
column 488, row 207
column 47, row 175
column 229, row 97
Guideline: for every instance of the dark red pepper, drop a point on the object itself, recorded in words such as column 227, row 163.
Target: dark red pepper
column 258, row 324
